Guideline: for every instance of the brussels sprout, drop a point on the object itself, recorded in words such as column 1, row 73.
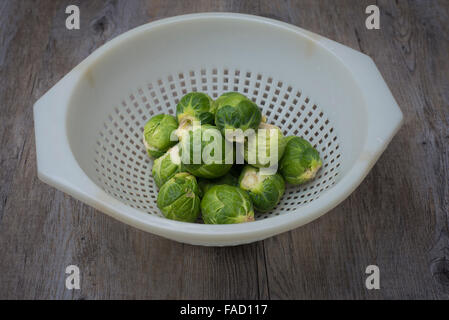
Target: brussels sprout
column 265, row 191
column 195, row 106
column 166, row 166
column 156, row 134
column 205, row 153
column 206, row 184
column 301, row 161
column 178, row 198
column 229, row 98
column 223, row 204
column 259, row 154
column 235, row 111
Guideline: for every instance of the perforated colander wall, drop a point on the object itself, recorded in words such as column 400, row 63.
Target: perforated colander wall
column 124, row 169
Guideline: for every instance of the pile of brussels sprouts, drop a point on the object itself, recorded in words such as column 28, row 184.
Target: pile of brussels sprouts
column 195, row 177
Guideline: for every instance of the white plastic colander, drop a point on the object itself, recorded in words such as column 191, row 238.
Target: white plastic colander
column 89, row 126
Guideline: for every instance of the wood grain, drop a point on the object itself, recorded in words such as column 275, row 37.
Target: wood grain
column 397, row 219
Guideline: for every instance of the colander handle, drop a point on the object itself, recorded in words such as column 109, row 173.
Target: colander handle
column 56, row 164
column 383, row 113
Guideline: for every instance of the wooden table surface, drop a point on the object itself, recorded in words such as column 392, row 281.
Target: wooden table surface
column 398, row 219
